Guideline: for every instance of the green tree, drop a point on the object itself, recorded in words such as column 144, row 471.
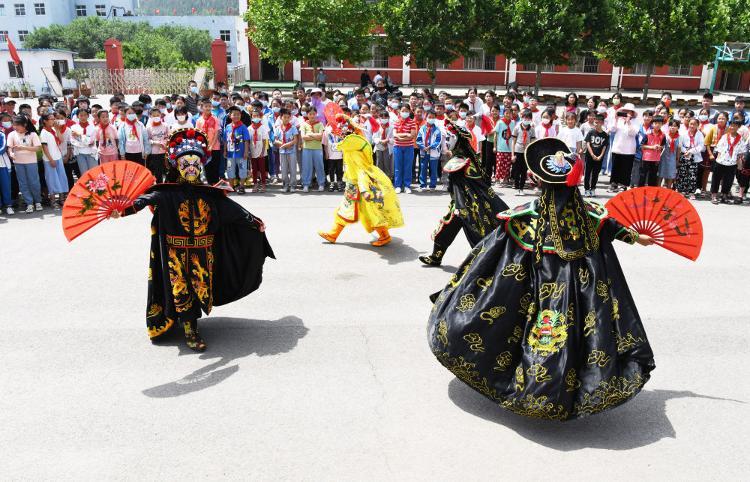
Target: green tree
column 543, row 31
column 143, row 45
column 428, row 34
column 664, row 32
column 313, row 30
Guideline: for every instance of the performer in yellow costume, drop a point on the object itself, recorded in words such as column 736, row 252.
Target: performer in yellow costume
column 369, row 196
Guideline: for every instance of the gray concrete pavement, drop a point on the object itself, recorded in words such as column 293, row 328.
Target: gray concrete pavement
column 303, row 382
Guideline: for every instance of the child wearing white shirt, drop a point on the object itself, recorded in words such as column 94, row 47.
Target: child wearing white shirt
column 382, row 139
column 570, row 134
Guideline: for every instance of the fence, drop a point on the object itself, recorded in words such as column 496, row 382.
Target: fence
column 138, row 81
column 238, row 74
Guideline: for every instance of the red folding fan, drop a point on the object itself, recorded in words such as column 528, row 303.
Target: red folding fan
column 113, row 186
column 331, row 110
column 662, row 214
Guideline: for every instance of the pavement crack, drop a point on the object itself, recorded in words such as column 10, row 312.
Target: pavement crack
column 379, row 406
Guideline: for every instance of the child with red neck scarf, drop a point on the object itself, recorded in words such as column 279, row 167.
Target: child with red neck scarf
column 158, row 132
column 133, row 138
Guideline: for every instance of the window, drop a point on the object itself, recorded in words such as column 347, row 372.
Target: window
column 20, row 9
column 2, row 9
column 22, row 35
column 225, row 35
column 548, row 67
column 643, row 69
column 478, row 60
column 378, row 60
column 229, row 57
column 101, row 10
column 587, row 63
column 15, row 71
column 422, row 64
column 3, row 36
column 39, row 9
column 680, row 70
column 329, row 63
column 80, row 10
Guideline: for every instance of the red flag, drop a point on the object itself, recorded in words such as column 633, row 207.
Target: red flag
column 486, row 124
column 13, row 51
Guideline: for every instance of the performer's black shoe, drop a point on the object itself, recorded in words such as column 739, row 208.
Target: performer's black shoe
column 434, row 259
column 193, row 339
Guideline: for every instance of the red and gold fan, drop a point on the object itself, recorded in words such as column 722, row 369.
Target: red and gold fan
column 664, row 215
column 113, row 186
column 331, row 110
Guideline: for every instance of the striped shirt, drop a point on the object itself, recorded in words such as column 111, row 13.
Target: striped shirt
column 404, row 126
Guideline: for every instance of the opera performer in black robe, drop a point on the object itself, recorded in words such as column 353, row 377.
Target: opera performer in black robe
column 206, row 250
column 539, row 317
column 474, row 204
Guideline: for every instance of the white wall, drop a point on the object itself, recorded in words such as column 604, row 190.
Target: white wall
column 33, row 61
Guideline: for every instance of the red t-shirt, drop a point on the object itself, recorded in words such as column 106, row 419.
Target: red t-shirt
column 404, row 126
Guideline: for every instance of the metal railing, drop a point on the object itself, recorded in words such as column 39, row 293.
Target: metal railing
column 137, row 81
column 237, row 74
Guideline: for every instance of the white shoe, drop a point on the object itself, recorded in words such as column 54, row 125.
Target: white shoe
column 9, row 211
column 305, row 189
column 407, row 190
column 420, row 189
column 432, row 189
column 398, row 190
column 321, row 189
column 29, row 209
column 38, row 206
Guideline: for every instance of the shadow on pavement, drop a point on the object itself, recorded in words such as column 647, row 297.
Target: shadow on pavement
column 396, row 252
column 230, row 339
column 637, row 423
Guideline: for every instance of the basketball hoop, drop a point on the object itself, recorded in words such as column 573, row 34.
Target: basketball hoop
column 729, row 52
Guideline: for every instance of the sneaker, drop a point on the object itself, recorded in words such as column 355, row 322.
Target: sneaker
column 420, row 189
column 306, row 189
column 398, row 190
column 432, row 189
column 240, row 189
column 321, row 188
column 407, row 190
column 9, row 211
column 29, row 209
column 262, row 188
column 519, row 193
column 37, row 206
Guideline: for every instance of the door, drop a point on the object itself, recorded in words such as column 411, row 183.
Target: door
column 60, row 69
column 268, row 70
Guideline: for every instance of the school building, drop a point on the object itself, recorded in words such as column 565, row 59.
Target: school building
column 497, row 71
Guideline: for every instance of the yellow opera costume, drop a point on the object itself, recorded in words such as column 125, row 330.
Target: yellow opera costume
column 369, row 196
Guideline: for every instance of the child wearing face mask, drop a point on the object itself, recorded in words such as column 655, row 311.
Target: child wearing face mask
column 181, row 119
column 54, row 169
column 429, row 140
column 158, row 133
column 503, row 147
column 404, row 135
column 523, row 134
column 106, row 139
column 546, row 127
column 66, row 148
column 382, row 139
column 133, row 139
column 24, row 144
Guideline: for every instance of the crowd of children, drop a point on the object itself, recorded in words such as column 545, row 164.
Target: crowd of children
column 256, row 139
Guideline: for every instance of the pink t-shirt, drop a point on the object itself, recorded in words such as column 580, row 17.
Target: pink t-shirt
column 210, row 126
column 157, row 135
column 106, row 140
column 28, row 139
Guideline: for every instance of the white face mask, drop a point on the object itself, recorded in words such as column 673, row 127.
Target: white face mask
column 132, row 117
column 703, row 117
column 60, row 122
column 463, row 114
column 449, row 107
column 7, row 125
column 181, row 118
column 404, row 115
column 615, row 101
column 545, row 122
column 601, row 109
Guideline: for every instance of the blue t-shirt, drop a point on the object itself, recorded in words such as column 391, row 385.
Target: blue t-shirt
column 286, row 136
column 504, row 133
column 235, row 141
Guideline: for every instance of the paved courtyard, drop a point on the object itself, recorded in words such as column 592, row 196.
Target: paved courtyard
column 325, row 374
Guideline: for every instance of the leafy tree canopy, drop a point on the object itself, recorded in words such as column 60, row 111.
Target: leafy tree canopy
column 143, row 45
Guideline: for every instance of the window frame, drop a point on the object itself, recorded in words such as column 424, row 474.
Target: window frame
column 228, row 35
column 3, row 38
column 229, row 57
column 479, row 61
column 330, row 63
column 19, row 7
column 81, row 8
column 100, row 10
column 641, row 69
column 378, row 59
column 14, row 70
column 22, row 34
column 2, row 9
column 587, row 63
column 680, row 70
column 40, row 6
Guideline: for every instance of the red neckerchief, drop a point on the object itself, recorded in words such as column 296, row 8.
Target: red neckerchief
column 54, row 134
column 427, row 135
column 133, row 127
column 209, row 122
column 570, row 108
column 506, row 133
column 83, row 125
column 237, row 126
column 737, row 138
column 546, row 129
column 284, row 129
column 720, row 134
column 525, row 134
column 692, row 139
column 102, row 138
column 672, row 141
column 440, row 117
